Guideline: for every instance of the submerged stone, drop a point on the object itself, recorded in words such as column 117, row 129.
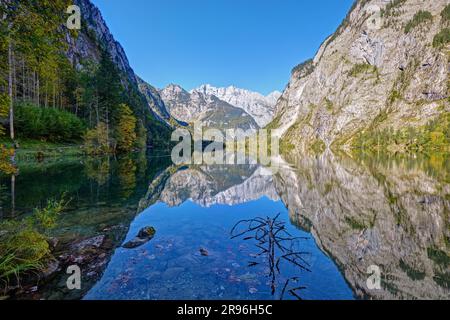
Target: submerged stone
column 144, row 235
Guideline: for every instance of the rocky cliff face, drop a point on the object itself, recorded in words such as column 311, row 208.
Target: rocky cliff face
column 261, row 108
column 95, row 32
column 372, row 73
column 393, row 214
column 206, row 108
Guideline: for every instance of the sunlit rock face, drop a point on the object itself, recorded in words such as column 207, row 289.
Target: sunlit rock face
column 260, row 107
column 364, row 77
column 205, row 108
column 392, row 214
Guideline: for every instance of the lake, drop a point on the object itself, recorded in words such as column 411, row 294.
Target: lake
column 311, row 230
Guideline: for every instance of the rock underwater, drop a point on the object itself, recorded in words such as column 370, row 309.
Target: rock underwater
column 145, row 235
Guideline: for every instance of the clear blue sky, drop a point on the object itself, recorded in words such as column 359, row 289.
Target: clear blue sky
column 252, row 44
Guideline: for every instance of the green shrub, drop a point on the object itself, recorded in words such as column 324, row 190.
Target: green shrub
column 391, row 6
column 445, row 14
column 286, row 147
column 304, row 68
column 4, row 111
column 97, row 141
column 394, row 96
column 46, row 217
column 412, row 273
column 329, row 104
column 360, row 68
column 434, row 136
column 355, row 224
column 442, row 279
column 419, row 18
column 6, row 165
column 318, row 146
column 442, row 38
column 47, row 124
column 439, row 257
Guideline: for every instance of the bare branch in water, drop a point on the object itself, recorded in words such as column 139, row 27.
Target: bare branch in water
column 275, row 243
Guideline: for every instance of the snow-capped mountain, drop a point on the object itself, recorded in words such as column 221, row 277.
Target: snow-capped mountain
column 260, row 107
column 206, row 108
column 211, row 185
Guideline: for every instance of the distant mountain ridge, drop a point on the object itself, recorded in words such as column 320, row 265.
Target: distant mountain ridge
column 211, row 111
column 260, row 107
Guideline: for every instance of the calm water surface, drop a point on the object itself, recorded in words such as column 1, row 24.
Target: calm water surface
column 337, row 215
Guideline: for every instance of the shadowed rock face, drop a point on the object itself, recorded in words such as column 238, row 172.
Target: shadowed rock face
column 95, row 32
column 393, row 214
column 154, row 100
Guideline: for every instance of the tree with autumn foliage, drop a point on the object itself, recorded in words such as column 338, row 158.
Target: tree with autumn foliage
column 125, row 132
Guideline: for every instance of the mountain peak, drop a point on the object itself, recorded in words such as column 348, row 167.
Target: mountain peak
column 200, row 105
column 260, row 107
column 173, row 86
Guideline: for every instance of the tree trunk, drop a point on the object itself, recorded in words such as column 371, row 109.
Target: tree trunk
column 23, row 80
column 38, row 90
column 54, row 96
column 107, row 127
column 14, row 78
column 10, row 91
column 33, row 84
column 46, row 94
column 96, row 110
column 13, row 195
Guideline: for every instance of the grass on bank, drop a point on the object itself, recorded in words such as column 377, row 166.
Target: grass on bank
column 29, row 149
column 24, row 245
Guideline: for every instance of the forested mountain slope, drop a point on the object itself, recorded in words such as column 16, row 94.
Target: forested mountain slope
column 69, row 81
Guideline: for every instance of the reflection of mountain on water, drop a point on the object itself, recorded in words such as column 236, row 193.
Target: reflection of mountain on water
column 393, row 214
column 210, row 185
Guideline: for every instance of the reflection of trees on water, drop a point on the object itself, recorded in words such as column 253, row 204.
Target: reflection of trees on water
column 3, row 198
column 127, row 177
column 276, row 244
column 98, row 169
